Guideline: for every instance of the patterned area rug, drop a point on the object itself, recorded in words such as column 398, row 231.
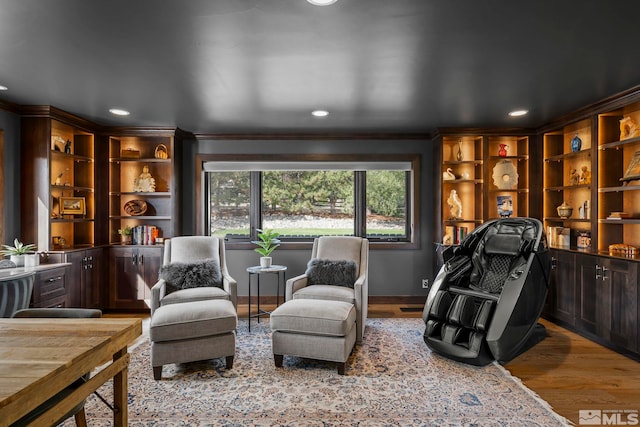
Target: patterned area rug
column 392, row 379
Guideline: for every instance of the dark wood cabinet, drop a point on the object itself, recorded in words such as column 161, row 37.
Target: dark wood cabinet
column 561, row 301
column 598, row 297
column 133, row 270
column 617, row 302
column 85, row 289
column 50, row 288
column 85, row 281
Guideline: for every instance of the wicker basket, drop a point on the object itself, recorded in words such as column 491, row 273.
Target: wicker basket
column 161, row 152
column 135, row 207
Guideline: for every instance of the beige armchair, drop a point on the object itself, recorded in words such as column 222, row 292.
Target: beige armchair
column 338, row 248
column 195, row 321
column 190, row 249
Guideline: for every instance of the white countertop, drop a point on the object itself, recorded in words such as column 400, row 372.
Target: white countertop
column 17, row 272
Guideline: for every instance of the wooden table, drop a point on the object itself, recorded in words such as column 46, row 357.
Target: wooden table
column 40, row 357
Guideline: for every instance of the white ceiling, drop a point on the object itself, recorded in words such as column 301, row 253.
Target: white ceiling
column 261, row 66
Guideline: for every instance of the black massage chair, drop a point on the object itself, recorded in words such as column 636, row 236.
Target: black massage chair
column 485, row 302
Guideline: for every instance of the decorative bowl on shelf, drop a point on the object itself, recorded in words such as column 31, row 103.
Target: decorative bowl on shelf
column 564, row 210
column 135, row 207
column 505, row 175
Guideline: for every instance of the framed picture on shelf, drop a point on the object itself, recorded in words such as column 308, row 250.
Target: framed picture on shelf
column 633, row 170
column 505, row 206
column 72, row 206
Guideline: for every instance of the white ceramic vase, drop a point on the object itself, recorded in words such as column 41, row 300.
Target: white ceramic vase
column 18, row 260
column 265, row 261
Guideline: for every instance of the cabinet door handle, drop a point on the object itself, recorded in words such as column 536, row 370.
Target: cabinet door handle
column 554, row 262
column 141, row 259
column 598, row 272
column 604, row 272
column 134, row 259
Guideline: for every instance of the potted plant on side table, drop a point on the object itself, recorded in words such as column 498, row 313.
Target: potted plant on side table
column 267, row 243
column 17, row 252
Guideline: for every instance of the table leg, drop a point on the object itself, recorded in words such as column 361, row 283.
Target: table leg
column 278, row 289
column 258, row 284
column 120, row 387
column 249, row 313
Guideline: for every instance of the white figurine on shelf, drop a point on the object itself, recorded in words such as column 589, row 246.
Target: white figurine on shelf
column 455, row 205
column 145, row 182
column 448, row 175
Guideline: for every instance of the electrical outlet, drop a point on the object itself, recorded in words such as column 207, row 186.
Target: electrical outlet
column 425, row 283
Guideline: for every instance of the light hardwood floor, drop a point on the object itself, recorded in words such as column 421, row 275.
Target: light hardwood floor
column 566, row 370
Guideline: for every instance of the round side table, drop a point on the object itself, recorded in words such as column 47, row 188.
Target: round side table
column 280, row 272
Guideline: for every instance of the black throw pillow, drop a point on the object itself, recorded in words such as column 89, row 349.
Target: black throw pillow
column 329, row 272
column 180, row 275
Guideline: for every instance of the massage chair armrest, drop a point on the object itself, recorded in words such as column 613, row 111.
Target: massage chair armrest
column 293, row 285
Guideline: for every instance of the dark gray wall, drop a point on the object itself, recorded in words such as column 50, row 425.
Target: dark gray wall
column 391, row 272
column 10, row 124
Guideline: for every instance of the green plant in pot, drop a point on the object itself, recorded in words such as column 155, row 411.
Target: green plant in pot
column 126, row 234
column 17, row 252
column 267, row 243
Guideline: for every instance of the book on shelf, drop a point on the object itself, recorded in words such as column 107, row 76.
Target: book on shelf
column 145, row 234
column 619, row 215
column 559, row 236
column 454, row 234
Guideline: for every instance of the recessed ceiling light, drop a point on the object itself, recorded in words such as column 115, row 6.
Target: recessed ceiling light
column 119, row 112
column 320, row 113
column 322, row 2
column 3, row 87
column 518, row 113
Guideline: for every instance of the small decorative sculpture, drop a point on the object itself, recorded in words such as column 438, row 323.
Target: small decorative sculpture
column 58, row 180
column 564, row 210
column 502, row 151
column 574, row 177
column 448, row 175
column 455, row 205
column 447, row 240
column 628, row 128
column 459, row 156
column 67, row 147
column 145, row 182
column 585, row 177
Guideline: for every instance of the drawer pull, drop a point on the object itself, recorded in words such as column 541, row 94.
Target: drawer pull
column 54, row 279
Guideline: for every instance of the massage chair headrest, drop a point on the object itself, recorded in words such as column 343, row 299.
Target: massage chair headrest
column 503, row 244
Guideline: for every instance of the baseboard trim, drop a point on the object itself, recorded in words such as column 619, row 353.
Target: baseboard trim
column 373, row 299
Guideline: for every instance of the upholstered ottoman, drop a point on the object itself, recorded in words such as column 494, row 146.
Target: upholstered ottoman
column 314, row 329
column 193, row 331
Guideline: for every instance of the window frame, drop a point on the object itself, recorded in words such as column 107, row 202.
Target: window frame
column 255, row 215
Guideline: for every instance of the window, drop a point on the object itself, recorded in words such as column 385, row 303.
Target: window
column 229, row 202
column 387, row 202
column 304, row 204
column 305, row 199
